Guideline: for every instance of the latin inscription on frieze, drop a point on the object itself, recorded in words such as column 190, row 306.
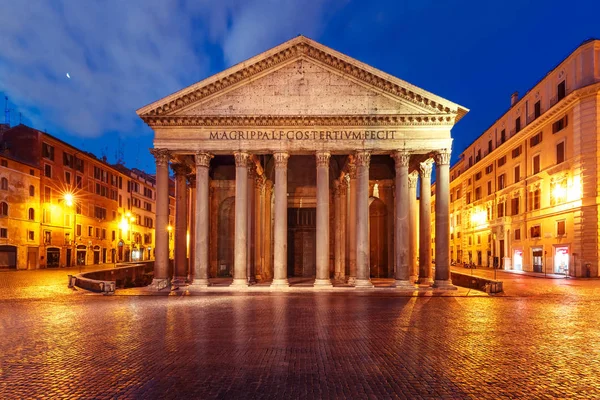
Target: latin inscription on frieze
column 303, row 135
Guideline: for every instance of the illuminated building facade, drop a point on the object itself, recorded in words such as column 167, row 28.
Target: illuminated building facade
column 88, row 211
column 524, row 195
column 305, row 163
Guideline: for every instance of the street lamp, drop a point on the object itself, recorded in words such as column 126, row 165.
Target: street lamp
column 125, row 225
column 69, row 201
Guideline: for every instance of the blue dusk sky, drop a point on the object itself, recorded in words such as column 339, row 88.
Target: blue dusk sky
column 122, row 55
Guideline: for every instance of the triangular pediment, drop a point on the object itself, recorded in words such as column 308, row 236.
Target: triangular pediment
column 302, row 78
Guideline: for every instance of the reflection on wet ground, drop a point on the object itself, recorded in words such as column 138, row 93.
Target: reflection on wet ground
column 60, row 343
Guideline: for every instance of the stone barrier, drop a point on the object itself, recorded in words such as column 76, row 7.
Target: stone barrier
column 476, row 282
column 107, row 280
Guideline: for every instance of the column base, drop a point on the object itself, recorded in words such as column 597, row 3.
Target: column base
column 352, row 280
column 239, row 283
column 363, row 283
column 425, row 281
column 322, row 284
column 158, row 284
column 199, row 284
column 280, row 284
column 404, row 285
column 444, row 285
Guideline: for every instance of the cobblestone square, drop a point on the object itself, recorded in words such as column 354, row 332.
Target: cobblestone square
column 538, row 340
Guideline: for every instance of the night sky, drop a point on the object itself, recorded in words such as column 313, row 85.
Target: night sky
column 122, row 55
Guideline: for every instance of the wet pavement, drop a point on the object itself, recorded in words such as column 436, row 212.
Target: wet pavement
column 537, row 340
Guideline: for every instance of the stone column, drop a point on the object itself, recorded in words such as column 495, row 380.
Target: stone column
column 280, row 228
column 161, row 250
column 202, row 217
column 192, row 227
column 442, row 221
column 259, row 221
column 241, row 220
column 180, row 270
column 251, row 234
column 363, row 278
column 425, row 223
column 268, row 270
column 351, row 226
column 343, row 207
column 401, row 225
column 412, row 225
column 337, row 233
column 323, row 279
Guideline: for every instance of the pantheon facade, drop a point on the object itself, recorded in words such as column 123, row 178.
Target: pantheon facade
column 303, row 162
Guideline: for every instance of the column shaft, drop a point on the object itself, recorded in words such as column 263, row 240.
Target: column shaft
column 161, row 250
column 241, row 220
column 251, row 234
column 442, row 221
column 412, row 225
column 425, row 223
column 202, row 216
column 323, row 220
column 401, row 226
column 180, row 270
column 337, row 233
column 343, row 227
column 192, row 224
column 362, row 220
column 351, row 227
column 280, row 228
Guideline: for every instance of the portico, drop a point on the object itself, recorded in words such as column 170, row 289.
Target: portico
column 304, row 162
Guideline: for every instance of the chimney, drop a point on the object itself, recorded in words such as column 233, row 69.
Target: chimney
column 514, row 98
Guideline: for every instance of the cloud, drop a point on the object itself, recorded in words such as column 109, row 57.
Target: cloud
column 122, row 55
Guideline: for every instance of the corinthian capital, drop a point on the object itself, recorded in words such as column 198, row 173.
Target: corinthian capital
column 363, row 158
column 180, row 169
column 203, row 159
column 401, row 158
column 322, row 158
column 241, row 159
column 412, row 179
column 442, row 158
column 425, row 168
column 161, row 156
column 281, row 159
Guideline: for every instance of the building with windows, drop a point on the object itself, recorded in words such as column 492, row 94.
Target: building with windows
column 525, row 194
column 19, row 213
column 88, row 211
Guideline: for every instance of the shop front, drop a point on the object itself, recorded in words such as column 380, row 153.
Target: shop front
column 518, row 260
column 561, row 260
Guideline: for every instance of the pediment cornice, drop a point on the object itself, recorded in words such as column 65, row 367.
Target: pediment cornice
column 301, row 121
column 301, row 47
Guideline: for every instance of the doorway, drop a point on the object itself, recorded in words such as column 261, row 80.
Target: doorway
column 501, row 254
column 561, row 260
column 302, row 242
column 52, row 258
column 69, row 251
column 226, row 237
column 537, row 258
column 378, row 239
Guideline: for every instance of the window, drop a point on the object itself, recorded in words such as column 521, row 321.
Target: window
column 103, row 234
column 470, row 240
column 536, row 164
column 517, row 124
column 79, row 182
column 478, row 193
column 67, row 160
column 501, row 161
column 535, row 140
column 537, row 109
column 517, row 173
column 31, row 190
column 502, row 136
column 560, row 124
column 31, row 235
column 489, row 169
column 68, row 178
column 458, row 194
column 4, row 184
column 147, row 206
column 46, row 216
column 470, row 161
column 3, row 233
column 78, row 208
column 78, row 230
column 48, row 151
column 561, row 229
column 31, row 214
column 500, row 210
column 561, row 91
column 535, row 199
column 148, row 192
column 516, row 152
column 478, row 176
column 47, row 237
column 114, row 235
column 97, row 233
column 501, row 181
column 478, row 156
column 3, row 209
column 31, row 172
column 47, row 194
column 489, row 214
column 560, row 152
column 458, row 219
column 4, row 163
column 468, row 197
column 47, row 171
column 90, row 230
column 514, row 206
column 79, row 164
column 518, row 234
column 489, row 188
column 478, row 239
column 99, row 213
column 535, row 231
column 489, row 146
column 67, row 220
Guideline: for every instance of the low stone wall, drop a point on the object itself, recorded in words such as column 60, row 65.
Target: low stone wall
column 106, row 281
column 476, row 282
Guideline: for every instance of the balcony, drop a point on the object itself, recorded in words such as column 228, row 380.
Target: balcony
column 530, row 118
